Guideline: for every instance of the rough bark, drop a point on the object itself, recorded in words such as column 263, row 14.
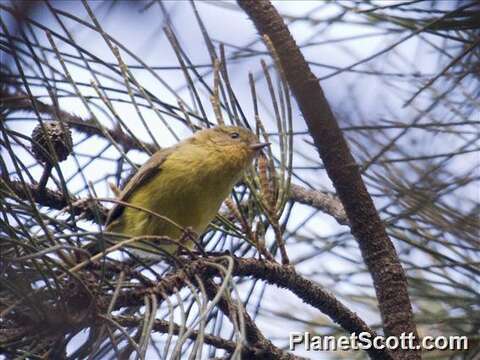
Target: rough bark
column 377, row 249
column 322, row 201
column 273, row 273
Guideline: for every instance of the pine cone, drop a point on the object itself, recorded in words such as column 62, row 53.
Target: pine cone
column 60, row 137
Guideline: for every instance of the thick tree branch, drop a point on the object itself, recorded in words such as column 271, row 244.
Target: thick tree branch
column 92, row 209
column 377, row 249
column 263, row 347
column 273, row 273
column 321, row 201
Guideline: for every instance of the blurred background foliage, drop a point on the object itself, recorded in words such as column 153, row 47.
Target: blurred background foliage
column 129, row 77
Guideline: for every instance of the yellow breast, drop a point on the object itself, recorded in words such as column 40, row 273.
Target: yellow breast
column 189, row 189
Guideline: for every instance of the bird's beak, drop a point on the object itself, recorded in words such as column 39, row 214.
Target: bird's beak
column 259, row 146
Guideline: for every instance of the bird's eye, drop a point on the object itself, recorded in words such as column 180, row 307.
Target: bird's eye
column 234, row 135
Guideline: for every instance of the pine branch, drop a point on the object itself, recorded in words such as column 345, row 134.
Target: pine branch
column 163, row 326
column 91, row 209
column 273, row 273
column 377, row 249
column 322, row 201
column 19, row 101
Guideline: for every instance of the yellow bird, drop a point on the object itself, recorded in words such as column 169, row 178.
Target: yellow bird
column 185, row 183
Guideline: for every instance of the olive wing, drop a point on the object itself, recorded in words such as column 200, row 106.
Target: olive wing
column 145, row 173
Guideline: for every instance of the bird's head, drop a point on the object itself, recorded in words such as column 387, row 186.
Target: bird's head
column 235, row 145
column 231, row 138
